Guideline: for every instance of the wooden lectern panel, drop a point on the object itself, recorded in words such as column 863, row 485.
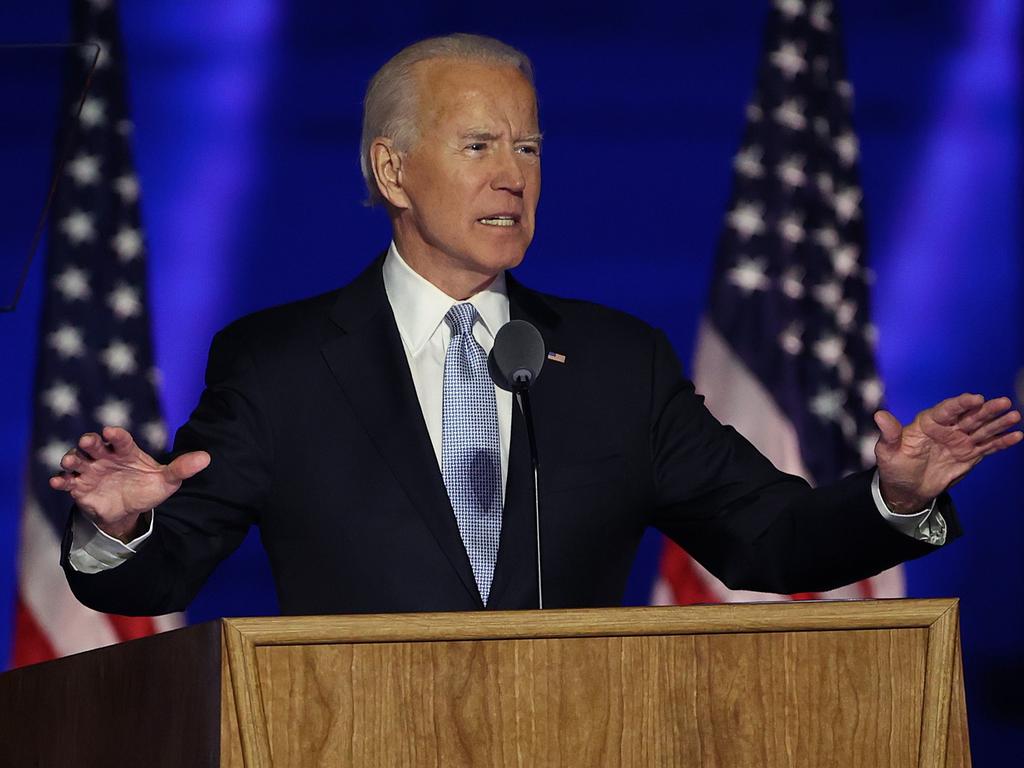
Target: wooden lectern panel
column 825, row 684
column 624, row 701
column 873, row 683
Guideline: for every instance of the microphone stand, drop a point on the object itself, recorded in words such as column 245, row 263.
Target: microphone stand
column 523, row 395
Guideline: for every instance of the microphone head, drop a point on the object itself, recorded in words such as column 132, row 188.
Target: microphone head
column 517, row 356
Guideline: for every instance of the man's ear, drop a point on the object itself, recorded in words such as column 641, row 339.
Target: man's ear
column 386, row 162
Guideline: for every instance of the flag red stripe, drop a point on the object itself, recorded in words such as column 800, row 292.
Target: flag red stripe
column 678, row 572
column 132, row 627
column 30, row 642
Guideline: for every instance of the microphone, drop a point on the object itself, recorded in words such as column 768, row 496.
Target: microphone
column 514, row 364
column 516, row 357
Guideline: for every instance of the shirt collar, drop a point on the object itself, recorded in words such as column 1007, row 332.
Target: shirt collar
column 419, row 306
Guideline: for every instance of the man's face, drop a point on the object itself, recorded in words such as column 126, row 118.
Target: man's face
column 472, row 181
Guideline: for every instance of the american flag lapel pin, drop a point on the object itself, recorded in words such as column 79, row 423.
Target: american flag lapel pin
column 556, row 357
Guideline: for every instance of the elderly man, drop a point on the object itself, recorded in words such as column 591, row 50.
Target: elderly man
column 360, row 431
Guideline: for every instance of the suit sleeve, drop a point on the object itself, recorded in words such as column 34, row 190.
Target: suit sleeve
column 749, row 524
column 206, row 520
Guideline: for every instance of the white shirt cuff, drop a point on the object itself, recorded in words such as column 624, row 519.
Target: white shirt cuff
column 93, row 551
column 927, row 525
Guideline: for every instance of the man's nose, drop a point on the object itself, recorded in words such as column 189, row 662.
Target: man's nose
column 508, row 174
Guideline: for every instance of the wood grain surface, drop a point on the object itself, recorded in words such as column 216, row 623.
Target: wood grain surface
column 807, row 698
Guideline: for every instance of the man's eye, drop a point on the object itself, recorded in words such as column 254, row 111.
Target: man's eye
column 528, row 149
column 476, row 146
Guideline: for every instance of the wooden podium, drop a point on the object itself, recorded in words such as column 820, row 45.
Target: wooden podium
column 876, row 683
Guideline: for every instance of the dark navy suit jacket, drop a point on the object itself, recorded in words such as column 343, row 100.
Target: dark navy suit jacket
column 316, row 435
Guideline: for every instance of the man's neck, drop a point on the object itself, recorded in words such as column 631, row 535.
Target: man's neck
column 456, row 283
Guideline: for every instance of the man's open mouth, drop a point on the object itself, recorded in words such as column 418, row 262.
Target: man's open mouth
column 502, row 220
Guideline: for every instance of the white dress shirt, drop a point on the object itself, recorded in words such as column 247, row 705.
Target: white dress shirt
column 419, row 308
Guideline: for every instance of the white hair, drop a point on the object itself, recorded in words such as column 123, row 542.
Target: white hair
column 391, row 102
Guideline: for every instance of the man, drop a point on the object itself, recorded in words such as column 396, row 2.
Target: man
column 360, row 431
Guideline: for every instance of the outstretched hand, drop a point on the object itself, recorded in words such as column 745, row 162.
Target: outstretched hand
column 113, row 481
column 921, row 460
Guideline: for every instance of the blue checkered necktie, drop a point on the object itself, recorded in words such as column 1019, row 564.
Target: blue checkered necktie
column 470, row 446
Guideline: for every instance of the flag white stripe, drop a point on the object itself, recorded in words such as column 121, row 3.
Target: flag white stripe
column 736, row 397
column 69, row 626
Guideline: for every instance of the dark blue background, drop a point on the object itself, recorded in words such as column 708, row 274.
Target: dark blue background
column 247, row 115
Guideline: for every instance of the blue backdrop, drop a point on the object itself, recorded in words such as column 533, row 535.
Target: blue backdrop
column 247, row 115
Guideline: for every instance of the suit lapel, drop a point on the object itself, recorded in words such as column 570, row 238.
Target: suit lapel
column 370, row 365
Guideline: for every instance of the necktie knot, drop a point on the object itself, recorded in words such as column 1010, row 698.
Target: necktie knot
column 460, row 318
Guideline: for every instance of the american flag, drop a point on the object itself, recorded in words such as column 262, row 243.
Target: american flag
column 786, row 349
column 95, row 355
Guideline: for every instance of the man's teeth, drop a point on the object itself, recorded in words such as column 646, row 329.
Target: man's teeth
column 499, row 221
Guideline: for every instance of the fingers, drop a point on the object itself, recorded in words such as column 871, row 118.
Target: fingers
column 995, row 427
column 889, row 426
column 948, row 411
column 61, row 482
column 978, row 417
column 1000, row 443
column 119, row 439
column 187, row 465
column 91, row 445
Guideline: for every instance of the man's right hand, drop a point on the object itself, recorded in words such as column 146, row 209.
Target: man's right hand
column 113, row 481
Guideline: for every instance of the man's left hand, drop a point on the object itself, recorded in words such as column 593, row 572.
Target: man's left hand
column 921, row 460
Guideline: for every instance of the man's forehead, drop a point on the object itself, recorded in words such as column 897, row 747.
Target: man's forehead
column 450, row 82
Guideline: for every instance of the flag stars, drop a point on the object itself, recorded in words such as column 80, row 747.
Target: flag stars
column 754, row 113
column 829, row 349
column 73, row 284
column 127, row 243
column 93, row 112
column 828, row 404
column 791, row 114
column 124, row 300
column 846, row 313
column 790, row 339
column 78, row 227
column 789, row 59
column 89, row 52
column 119, row 358
column 829, row 294
column 51, row 454
column 61, row 399
column 791, row 172
column 793, row 283
column 749, row 275
column 819, row 16
column 847, row 204
column 114, row 413
column 866, row 448
column 791, row 228
column 84, row 169
column 871, row 391
column 154, row 433
column 790, row 8
column 748, row 162
column 67, row 341
column 827, row 237
column 127, row 187
column 847, row 147
column 747, row 219
column 845, row 259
